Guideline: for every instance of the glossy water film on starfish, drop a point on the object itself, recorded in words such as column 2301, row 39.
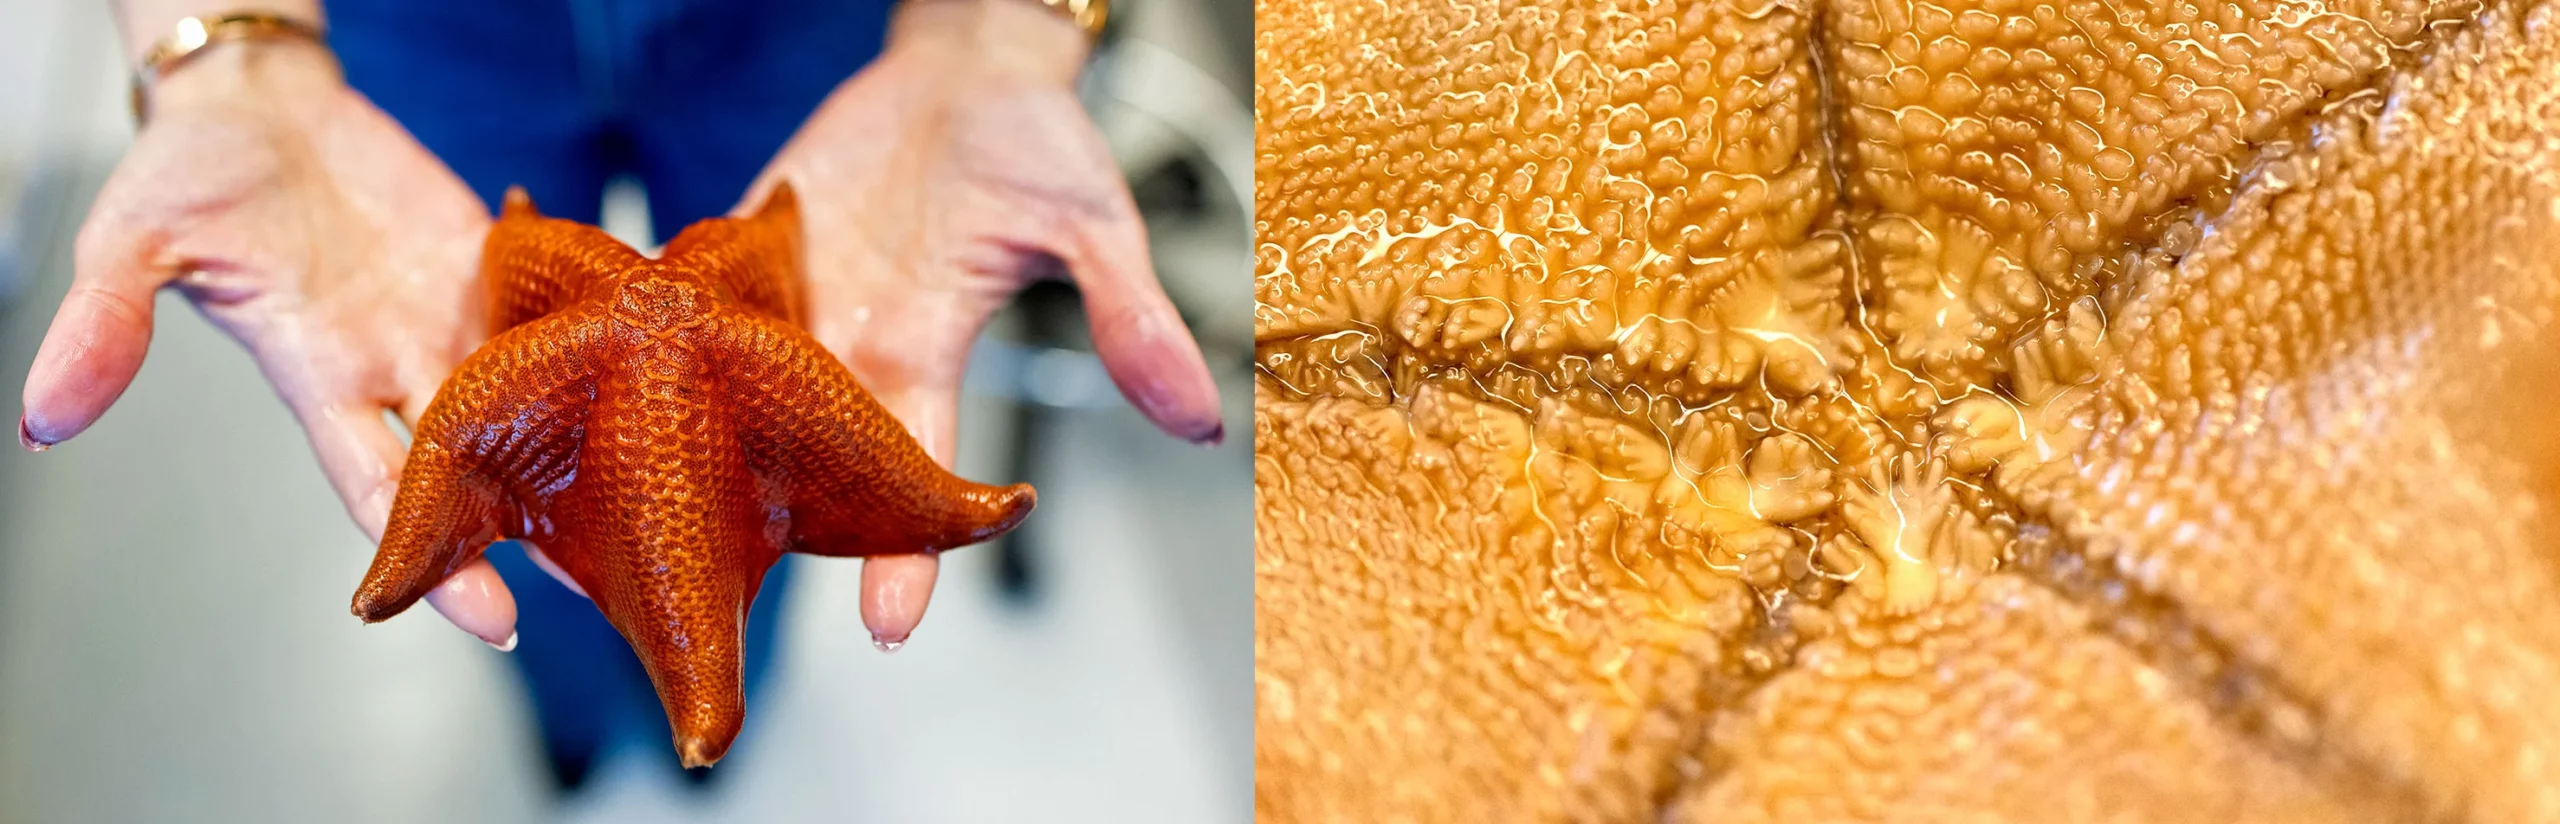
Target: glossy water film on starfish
column 663, row 430
column 1928, row 411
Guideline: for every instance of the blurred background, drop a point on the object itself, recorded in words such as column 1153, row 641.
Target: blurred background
column 174, row 642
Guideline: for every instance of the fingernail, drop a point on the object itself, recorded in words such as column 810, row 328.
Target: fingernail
column 509, row 646
column 1217, row 436
column 27, row 437
column 885, row 643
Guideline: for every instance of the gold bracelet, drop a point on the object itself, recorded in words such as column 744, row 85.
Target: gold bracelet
column 196, row 34
column 1088, row 14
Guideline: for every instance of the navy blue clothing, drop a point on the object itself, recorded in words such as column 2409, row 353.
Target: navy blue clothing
column 691, row 97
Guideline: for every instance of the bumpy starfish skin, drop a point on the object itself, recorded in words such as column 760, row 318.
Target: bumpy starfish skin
column 1869, row 410
column 663, row 431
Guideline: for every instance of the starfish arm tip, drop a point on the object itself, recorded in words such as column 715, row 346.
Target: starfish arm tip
column 998, row 511
column 518, row 202
column 373, row 608
column 1016, row 504
column 698, row 752
column 782, row 197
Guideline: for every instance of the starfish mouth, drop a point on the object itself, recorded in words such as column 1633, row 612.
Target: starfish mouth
column 1872, row 411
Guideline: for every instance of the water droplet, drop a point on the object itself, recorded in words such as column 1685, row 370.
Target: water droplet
column 886, row 645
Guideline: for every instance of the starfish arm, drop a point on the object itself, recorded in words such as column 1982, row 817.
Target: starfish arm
column 668, row 527
column 756, row 259
column 444, row 512
column 2332, row 399
column 856, row 481
column 535, row 265
column 503, row 431
column 689, row 636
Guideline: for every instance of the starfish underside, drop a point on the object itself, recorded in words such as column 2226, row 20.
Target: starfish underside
column 1867, row 410
column 663, row 430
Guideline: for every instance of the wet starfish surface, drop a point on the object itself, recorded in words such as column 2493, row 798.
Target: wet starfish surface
column 1885, row 410
column 663, row 430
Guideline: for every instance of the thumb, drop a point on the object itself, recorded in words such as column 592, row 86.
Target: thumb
column 99, row 336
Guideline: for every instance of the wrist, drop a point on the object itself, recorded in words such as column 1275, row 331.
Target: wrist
column 145, row 23
column 1019, row 39
column 247, row 70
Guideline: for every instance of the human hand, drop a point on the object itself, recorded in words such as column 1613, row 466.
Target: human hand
column 954, row 170
column 310, row 227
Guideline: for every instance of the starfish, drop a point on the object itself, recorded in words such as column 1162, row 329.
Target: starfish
column 663, row 430
column 1870, row 410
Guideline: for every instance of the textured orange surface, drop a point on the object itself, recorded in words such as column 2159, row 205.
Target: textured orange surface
column 1907, row 411
column 664, row 430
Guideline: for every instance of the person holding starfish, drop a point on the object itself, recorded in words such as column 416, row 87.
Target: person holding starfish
column 319, row 189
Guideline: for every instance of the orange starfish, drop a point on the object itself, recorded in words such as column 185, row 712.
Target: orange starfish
column 663, row 430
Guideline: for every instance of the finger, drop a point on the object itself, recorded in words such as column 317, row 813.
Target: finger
column 918, row 378
column 552, row 568
column 98, row 338
column 476, row 600
column 1142, row 340
column 931, row 413
column 895, row 589
column 362, row 459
